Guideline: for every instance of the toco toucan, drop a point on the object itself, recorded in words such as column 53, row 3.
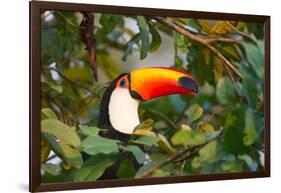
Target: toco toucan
column 119, row 104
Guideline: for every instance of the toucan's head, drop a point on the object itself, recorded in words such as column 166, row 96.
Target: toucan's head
column 121, row 100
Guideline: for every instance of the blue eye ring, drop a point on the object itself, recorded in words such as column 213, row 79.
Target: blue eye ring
column 123, row 83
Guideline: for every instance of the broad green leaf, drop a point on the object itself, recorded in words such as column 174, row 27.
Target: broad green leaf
column 78, row 74
column 143, row 132
column 250, row 133
column 194, row 112
column 160, row 173
column 61, row 131
column 94, row 168
column 94, row 145
column 156, row 39
column 249, row 161
column 146, row 140
column 137, row 152
column 47, row 113
column 185, row 137
column 109, row 21
column 126, row 169
column 88, row 130
column 52, row 169
column 225, row 91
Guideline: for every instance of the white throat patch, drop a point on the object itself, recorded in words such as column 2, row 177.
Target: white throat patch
column 123, row 111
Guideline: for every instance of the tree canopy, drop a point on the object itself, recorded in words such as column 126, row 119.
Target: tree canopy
column 220, row 130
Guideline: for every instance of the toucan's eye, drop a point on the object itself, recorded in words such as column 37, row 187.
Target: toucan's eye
column 123, row 83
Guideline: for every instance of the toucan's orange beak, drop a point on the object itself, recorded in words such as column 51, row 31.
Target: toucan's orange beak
column 149, row 83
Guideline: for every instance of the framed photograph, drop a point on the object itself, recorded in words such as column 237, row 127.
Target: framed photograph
column 123, row 96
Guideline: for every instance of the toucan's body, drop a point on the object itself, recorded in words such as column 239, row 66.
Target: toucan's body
column 119, row 104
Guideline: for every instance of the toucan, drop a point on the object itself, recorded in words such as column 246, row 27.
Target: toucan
column 120, row 101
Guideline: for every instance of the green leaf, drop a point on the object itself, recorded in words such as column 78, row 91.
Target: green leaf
column 71, row 155
column 109, row 21
column 255, row 56
column 146, row 140
column 144, row 36
column 61, row 131
column 130, row 45
column 156, row 39
column 250, row 133
column 179, row 39
column 94, row 145
column 126, row 169
column 165, row 145
column 88, row 130
column 51, row 169
column 225, row 91
column 145, row 44
column 143, row 25
column 185, row 137
column 45, row 149
column 207, row 154
column 221, row 27
column 48, row 113
column 205, row 127
column 137, row 152
column 194, row 112
column 94, row 168
column 145, row 125
column 57, row 88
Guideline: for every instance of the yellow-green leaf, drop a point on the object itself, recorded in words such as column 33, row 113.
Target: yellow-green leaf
column 61, row 131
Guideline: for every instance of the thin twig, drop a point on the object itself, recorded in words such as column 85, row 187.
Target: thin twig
column 67, row 20
column 166, row 119
column 202, row 41
column 71, row 81
column 247, row 36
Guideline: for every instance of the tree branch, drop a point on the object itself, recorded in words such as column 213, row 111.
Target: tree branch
column 205, row 42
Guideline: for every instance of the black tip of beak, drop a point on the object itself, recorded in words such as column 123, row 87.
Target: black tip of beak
column 189, row 84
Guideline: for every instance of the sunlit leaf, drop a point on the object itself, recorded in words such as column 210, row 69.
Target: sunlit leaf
column 221, row 27
column 48, row 113
column 185, row 137
column 45, row 149
column 250, row 133
column 145, row 125
column 194, row 112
